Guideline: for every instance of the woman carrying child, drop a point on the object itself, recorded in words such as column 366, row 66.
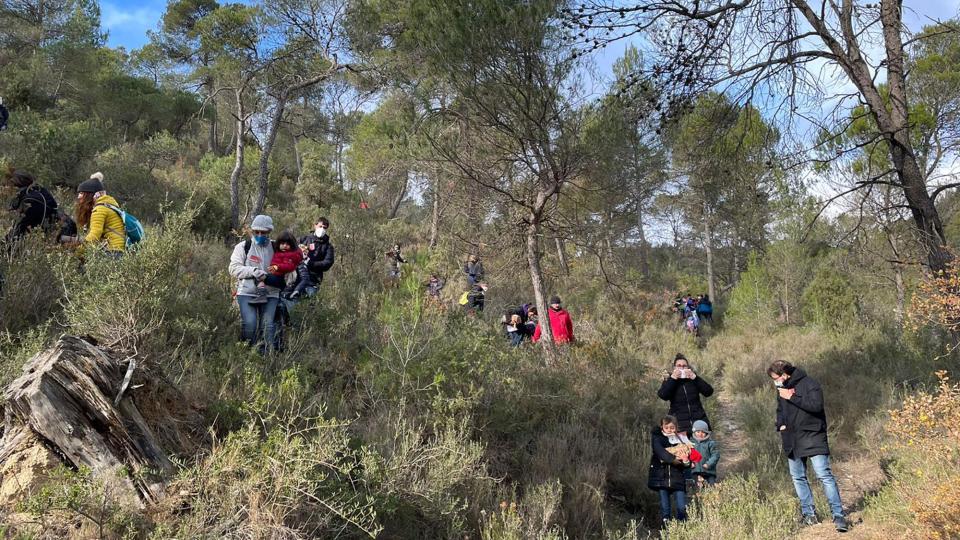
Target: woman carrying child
column 672, row 456
column 249, row 264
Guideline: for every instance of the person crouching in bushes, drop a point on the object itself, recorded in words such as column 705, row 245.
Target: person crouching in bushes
column 669, row 462
column 705, row 471
column 104, row 226
column 249, row 264
column 283, row 264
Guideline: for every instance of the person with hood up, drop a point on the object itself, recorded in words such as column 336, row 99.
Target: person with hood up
column 98, row 213
column 249, row 264
column 802, row 423
column 682, row 388
column 705, row 471
column 560, row 323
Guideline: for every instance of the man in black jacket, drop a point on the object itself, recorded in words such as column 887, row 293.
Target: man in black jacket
column 802, row 423
column 318, row 258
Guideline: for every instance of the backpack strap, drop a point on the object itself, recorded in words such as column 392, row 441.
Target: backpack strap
column 119, row 214
column 246, row 248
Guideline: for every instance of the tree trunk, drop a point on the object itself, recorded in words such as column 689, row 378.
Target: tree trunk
column 901, row 294
column 238, row 164
column 298, row 159
column 644, row 248
column 536, row 278
column 922, row 207
column 561, row 255
column 66, row 396
column 395, row 207
column 265, row 152
column 435, row 217
column 708, row 248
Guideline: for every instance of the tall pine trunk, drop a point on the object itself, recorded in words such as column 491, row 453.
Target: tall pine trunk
column 238, row 162
column 536, row 278
column 562, row 255
column 644, row 248
column 708, row 249
column 265, row 152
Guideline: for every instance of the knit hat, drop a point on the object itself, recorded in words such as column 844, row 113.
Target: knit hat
column 93, row 185
column 262, row 223
column 700, row 425
column 554, row 300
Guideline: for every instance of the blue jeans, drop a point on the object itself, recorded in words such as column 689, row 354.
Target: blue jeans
column 821, row 467
column 257, row 321
column 681, row 499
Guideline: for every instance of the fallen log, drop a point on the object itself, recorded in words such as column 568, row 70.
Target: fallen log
column 65, row 398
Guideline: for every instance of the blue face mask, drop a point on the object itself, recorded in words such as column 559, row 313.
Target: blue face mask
column 261, row 240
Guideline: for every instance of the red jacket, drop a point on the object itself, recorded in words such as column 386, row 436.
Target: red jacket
column 286, row 261
column 561, row 324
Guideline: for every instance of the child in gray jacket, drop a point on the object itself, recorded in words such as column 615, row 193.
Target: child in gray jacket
column 705, row 471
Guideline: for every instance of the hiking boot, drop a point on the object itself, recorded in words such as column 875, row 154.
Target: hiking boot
column 809, row 520
column 841, row 524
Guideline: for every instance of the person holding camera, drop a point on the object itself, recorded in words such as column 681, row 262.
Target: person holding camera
column 683, row 388
column 802, row 424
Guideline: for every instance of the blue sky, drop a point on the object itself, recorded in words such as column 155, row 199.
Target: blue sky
column 127, row 21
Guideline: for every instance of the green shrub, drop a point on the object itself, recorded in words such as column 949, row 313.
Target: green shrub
column 830, row 300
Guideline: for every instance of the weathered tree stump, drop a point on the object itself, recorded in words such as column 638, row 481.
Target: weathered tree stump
column 65, row 398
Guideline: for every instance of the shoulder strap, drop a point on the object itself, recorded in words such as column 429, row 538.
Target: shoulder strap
column 119, row 214
column 246, row 248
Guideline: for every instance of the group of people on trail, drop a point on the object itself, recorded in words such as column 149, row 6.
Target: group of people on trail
column 693, row 310
column 105, row 225
column 800, row 420
column 523, row 324
column 272, row 275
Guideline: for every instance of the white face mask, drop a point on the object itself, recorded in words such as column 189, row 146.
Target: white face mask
column 320, row 232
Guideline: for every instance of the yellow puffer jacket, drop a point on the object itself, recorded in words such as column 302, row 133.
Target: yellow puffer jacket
column 106, row 226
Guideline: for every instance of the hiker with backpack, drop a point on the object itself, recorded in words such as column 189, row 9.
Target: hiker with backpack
column 318, row 258
column 100, row 215
column 250, row 264
column 36, row 205
column 705, row 308
column 683, row 387
column 474, row 270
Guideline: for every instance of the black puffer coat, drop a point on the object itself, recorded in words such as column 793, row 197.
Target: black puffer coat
column 320, row 255
column 684, row 397
column 666, row 471
column 804, row 417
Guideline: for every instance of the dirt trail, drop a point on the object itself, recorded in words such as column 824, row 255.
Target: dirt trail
column 730, row 436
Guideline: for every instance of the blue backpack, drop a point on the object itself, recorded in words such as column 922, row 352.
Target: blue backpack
column 131, row 226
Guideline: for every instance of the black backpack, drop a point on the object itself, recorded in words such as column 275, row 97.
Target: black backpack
column 37, row 197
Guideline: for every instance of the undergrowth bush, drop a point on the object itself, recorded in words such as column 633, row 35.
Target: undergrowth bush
column 924, row 441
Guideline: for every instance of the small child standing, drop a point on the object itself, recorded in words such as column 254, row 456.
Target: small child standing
column 705, row 472
column 285, row 260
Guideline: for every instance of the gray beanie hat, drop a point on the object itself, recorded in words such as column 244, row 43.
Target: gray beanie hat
column 262, row 223
column 555, row 300
column 700, row 425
